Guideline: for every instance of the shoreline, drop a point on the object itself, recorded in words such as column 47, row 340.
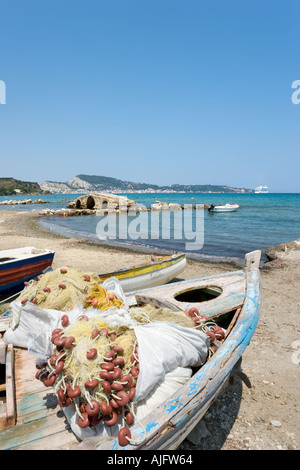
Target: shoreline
column 24, row 225
column 266, row 416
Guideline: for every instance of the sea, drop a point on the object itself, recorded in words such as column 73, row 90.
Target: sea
column 262, row 221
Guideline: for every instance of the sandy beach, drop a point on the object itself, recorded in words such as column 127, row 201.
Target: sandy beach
column 266, row 416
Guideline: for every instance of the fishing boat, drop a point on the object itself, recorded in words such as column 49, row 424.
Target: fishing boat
column 20, row 265
column 225, row 208
column 232, row 300
column 149, row 274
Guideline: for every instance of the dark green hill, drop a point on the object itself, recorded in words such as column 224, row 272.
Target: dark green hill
column 9, row 185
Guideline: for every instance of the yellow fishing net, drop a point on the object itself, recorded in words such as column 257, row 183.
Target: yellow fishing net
column 78, row 367
column 65, row 288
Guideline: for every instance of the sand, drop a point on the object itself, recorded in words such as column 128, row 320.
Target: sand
column 265, row 416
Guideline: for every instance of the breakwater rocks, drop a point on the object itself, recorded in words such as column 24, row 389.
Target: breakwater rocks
column 104, row 202
column 67, row 212
column 26, row 201
column 284, row 250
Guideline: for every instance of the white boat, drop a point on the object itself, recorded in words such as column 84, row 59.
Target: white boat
column 225, row 208
column 149, row 274
column 262, row 189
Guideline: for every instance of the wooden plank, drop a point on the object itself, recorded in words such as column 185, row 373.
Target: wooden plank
column 40, row 422
column 10, row 386
column 50, row 430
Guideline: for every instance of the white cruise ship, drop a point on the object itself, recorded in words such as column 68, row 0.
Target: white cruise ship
column 262, row 189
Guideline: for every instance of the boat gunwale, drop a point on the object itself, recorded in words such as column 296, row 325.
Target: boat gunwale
column 169, row 260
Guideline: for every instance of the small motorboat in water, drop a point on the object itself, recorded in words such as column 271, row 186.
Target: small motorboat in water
column 225, row 208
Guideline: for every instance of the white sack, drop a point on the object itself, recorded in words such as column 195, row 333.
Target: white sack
column 164, row 346
column 163, row 390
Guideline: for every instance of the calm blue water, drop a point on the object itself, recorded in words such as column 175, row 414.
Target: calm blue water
column 263, row 220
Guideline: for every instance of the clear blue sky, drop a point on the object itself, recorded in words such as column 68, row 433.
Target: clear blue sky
column 159, row 91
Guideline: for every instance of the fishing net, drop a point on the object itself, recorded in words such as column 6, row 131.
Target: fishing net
column 65, row 288
column 149, row 313
column 106, row 357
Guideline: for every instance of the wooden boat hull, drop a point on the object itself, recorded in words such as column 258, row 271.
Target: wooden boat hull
column 21, row 266
column 151, row 274
column 169, row 424
column 39, row 427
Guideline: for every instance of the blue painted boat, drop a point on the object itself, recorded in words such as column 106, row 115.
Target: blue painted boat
column 237, row 296
column 20, row 265
column 232, row 300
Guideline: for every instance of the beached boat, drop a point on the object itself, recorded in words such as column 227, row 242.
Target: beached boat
column 225, row 208
column 149, row 274
column 20, row 265
column 232, row 300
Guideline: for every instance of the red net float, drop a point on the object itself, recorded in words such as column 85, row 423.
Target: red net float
column 83, row 318
column 123, row 398
column 122, row 436
column 116, row 386
column 134, row 371
column 131, row 393
column 104, row 374
column 116, row 373
column 59, row 367
column 106, row 386
column 126, row 380
column 119, row 361
column 83, row 420
column 109, row 356
column 110, row 420
column 91, row 383
column 64, row 320
column 91, row 353
column 92, row 408
column 61, row 395
column 74, row 392
column 129, row 418
column 95, row 333
column 70, row 342
column 107, row 366
column 106, row 408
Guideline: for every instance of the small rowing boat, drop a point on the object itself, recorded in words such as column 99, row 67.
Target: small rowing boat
column 149, row 274
column 231, row 300
column 20, row 265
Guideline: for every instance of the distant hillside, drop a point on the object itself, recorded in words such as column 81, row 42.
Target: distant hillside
column 11, row 186
column 89, row 183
